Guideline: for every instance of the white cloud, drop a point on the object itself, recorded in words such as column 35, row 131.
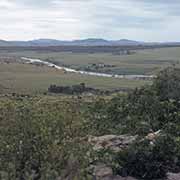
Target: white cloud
column 72, row 19
column 6, row 4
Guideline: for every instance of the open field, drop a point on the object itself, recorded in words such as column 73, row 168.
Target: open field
column 16, row 77
column 145, row 62
column 24, row 78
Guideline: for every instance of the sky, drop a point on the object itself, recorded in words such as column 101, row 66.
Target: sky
column 142, row 20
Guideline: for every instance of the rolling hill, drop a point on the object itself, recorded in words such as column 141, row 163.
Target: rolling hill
column 83, row 42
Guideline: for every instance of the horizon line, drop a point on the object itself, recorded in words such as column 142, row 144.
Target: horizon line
column 95, row 38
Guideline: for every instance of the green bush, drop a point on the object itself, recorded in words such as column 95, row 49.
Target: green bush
column 41, row 140
column 167, row 84
column 149, row 161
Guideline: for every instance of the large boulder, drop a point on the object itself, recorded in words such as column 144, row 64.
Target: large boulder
column 112, row 142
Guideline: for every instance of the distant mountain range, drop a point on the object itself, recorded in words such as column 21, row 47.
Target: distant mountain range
column 84, row 42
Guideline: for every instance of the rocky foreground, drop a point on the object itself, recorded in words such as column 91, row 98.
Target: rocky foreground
column 117, row 144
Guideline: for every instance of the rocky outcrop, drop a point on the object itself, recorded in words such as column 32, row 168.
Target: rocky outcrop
column 112, row 142
column 117, row 144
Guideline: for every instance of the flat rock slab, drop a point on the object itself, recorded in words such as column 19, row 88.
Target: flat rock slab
column 112, row 142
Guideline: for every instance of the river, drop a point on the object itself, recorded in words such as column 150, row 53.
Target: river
column 49, row 64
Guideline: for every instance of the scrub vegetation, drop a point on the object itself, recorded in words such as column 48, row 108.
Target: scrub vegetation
column 46, row 137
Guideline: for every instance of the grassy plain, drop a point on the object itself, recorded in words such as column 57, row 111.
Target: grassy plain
column 147, row 61
column 15, row 77
column 24, row 78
